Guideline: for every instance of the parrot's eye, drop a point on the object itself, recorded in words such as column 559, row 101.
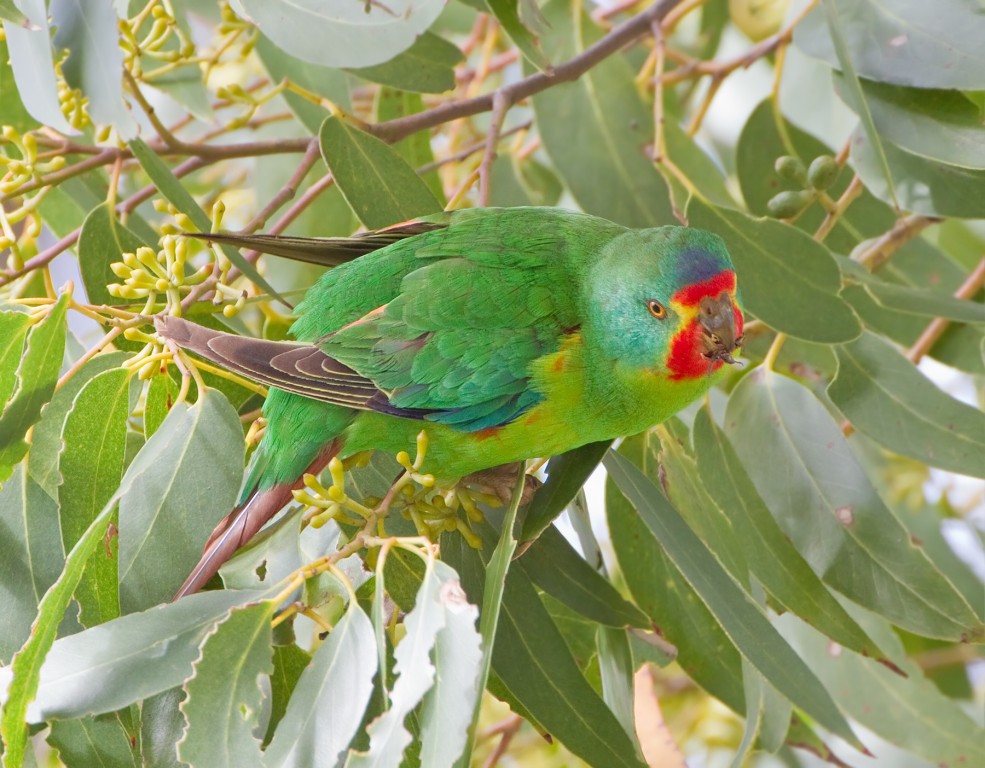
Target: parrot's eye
column 656, row 309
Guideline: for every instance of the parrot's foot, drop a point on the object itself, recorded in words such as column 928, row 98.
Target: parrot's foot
column 500, row 481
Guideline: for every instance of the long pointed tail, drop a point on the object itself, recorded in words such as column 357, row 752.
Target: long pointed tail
column 243, row 523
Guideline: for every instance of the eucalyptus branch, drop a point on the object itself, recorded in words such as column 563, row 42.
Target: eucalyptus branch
column 127, row 206
column 972, row 285
column 622, row 35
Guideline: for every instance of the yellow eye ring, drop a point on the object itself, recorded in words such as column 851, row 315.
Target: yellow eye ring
column 656, row 309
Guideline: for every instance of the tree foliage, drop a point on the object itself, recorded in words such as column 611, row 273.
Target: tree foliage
column 775, row 541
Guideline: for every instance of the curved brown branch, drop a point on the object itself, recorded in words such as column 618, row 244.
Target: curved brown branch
column 625, row 33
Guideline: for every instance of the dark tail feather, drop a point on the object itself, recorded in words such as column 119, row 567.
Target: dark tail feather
column 327, row 251
column 243, row 523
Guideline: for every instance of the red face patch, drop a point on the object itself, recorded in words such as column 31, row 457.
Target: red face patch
column 693, row 294
column 685, row 360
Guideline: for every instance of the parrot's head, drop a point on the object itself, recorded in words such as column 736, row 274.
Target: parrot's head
column 665, row 300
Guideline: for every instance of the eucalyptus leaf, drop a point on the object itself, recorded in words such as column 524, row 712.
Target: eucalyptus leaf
column 605, row 162
column 377, row 183
column 31, row 555
column 906, row 42
column 103, row 240
column 805, row 470
column 183, row 481
column 763, row 250
column 31, row 59
column 319, row 724
column 352, row 34
column 884, row 395
column 428, row 66
column 922, row 185
column 128, row 659
column 36, row 378
column 554, row 566
column 95, row 60
column 739, row 616
column 91, row 464
column 224, row 695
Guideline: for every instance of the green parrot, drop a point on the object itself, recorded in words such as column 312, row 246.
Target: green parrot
column 505, row 333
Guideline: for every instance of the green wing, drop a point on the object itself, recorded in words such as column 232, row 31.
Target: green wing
column 442, row 326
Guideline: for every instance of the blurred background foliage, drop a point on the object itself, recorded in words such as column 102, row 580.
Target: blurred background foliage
column 791, row 572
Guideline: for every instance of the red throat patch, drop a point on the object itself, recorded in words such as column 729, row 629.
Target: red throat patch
column 685, row 360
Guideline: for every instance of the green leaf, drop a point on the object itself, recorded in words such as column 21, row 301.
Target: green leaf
column 34, row 67
column 493, row 589
column 616, row 668
column 13, row 330
column 774, row 561
column 377, row 183
column 553, row 565
column 704, row 651
column 760, row 144
column 183, row 481
column 767, row 253
column 805, row 470
column 11, row 106
column 87, row 741
column 323, row 81
column 289, row 662
column 507, row 13
column 767, row 715
column 836, row 25
column 161, row 728
column 341, row 35
column 102, row 241
column 566, row 474
column 906, row 42
column 739, row 616
column 439, row 595
column 886, row 397
column 162, row 392
column 31, row 555
column 446, row 715
column 36, row 377
column 416, row 148
column 938, row 125
column 605, row 162
column 533, row 662
column 923, row 186
column 224, row 695
column 428, row 66
column 318, row 723
column 907, row 711
column 916, row 301
column 169, row 186
column 46, row 436
column 95, row 60
column 130, row 658
column 91, row 464
column 10, row 12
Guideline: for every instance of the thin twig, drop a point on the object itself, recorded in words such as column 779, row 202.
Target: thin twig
column 287, row 192
column 881, row 249
column 500, row 107
column 128, row 205
column 972, row 284
column 619, row 37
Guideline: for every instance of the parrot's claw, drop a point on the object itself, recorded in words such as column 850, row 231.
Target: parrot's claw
column 499, row 482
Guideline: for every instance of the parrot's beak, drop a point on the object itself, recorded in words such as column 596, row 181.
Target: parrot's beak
column 717, row 319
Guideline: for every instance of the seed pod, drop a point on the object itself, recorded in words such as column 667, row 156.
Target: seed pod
column 823, row 172
column 789, row 203
column 791, row 168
